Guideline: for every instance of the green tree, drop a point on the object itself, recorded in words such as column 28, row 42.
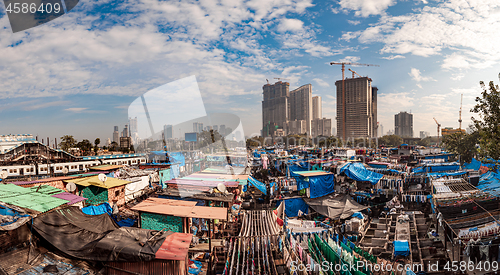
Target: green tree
column 390, row 140
column 85, row 146
column 67, row 141
column 113, row 146
column 96, row 144
column 462, row 144
column 488, row 124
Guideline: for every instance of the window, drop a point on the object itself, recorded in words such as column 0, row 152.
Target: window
column 117, row 193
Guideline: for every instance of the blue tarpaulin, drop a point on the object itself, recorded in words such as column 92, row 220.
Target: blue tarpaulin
column 437, row 167
column 175, row 157
column 261, row 186
column 358, row 172
column 401, row 248
column 490, row 183
column 174, row 171
column 5, row 211
column 319, row 186
column 292, row 207
column 474, row 165
column 126, row 223
column 104, row 208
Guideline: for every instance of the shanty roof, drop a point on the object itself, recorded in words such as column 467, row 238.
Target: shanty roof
column 175, row 208
column 46, row 189
column 204, row 183
column 312, row 173
column 175, row 247
column 45, row 180
column 196, row 194
column 105, row 167
column 94, row 180
column 71, row 198
column 28, row 198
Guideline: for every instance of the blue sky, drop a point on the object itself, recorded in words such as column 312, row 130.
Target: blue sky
column 79, row 73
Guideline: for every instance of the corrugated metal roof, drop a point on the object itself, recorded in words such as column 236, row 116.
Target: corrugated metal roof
column 106, row 167
column 45, row 180
column 157, row 206
column 312, row 173
column 205, row 183
column 71, row 198
column 175, row 247
column 46, row 189
column 94, row 180
column 27, row 198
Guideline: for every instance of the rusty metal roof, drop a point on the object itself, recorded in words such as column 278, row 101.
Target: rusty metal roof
column 175, row 247
column 180, row 208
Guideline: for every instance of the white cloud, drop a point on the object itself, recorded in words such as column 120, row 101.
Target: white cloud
column 354, row 22
column 75, row 110
column 293, row 25
column 469, row 28
column 321, row 82
column 417, row 76
column 366, row 8
column 391, row 57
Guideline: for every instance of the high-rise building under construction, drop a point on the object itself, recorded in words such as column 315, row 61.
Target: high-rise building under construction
column 357, row 113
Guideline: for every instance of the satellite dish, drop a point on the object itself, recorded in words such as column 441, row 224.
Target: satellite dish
column 102, row 178
column 71, row 187
column 221, row 187
column 3, row 174
column 65, row 170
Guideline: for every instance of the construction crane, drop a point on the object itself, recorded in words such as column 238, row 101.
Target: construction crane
column 353, row 73
column 343, row 89
column 460, row 113
column 279, row 78
column 439, row 127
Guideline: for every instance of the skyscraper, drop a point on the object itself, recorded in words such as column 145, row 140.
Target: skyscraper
column 301, row 105
column 317, row 111
column 132, row 125
column 357, row 112
column 168, row 131
column 274, row 106
column 116, row 135
column 403, row 124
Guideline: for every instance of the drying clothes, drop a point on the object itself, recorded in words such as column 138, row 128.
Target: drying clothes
column 493, row 253
column 484, row 250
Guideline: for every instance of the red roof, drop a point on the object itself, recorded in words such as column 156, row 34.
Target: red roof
column 175, row 247
column 179, row 208
column 228, row 183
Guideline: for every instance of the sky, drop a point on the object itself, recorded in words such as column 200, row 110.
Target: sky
column 79, row 73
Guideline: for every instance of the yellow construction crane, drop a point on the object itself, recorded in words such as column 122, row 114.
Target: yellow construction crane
column 279, row 78
column 460, row 113
column 343, row 89
column 439, row 127
column 355, row 73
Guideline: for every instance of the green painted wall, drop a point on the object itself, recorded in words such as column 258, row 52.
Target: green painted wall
column 158, row 222
column 95, row 195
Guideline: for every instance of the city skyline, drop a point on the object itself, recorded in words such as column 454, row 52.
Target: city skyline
column 79, row 73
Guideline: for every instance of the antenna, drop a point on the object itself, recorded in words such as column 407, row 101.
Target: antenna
column 102, row 178
column 460, row 113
